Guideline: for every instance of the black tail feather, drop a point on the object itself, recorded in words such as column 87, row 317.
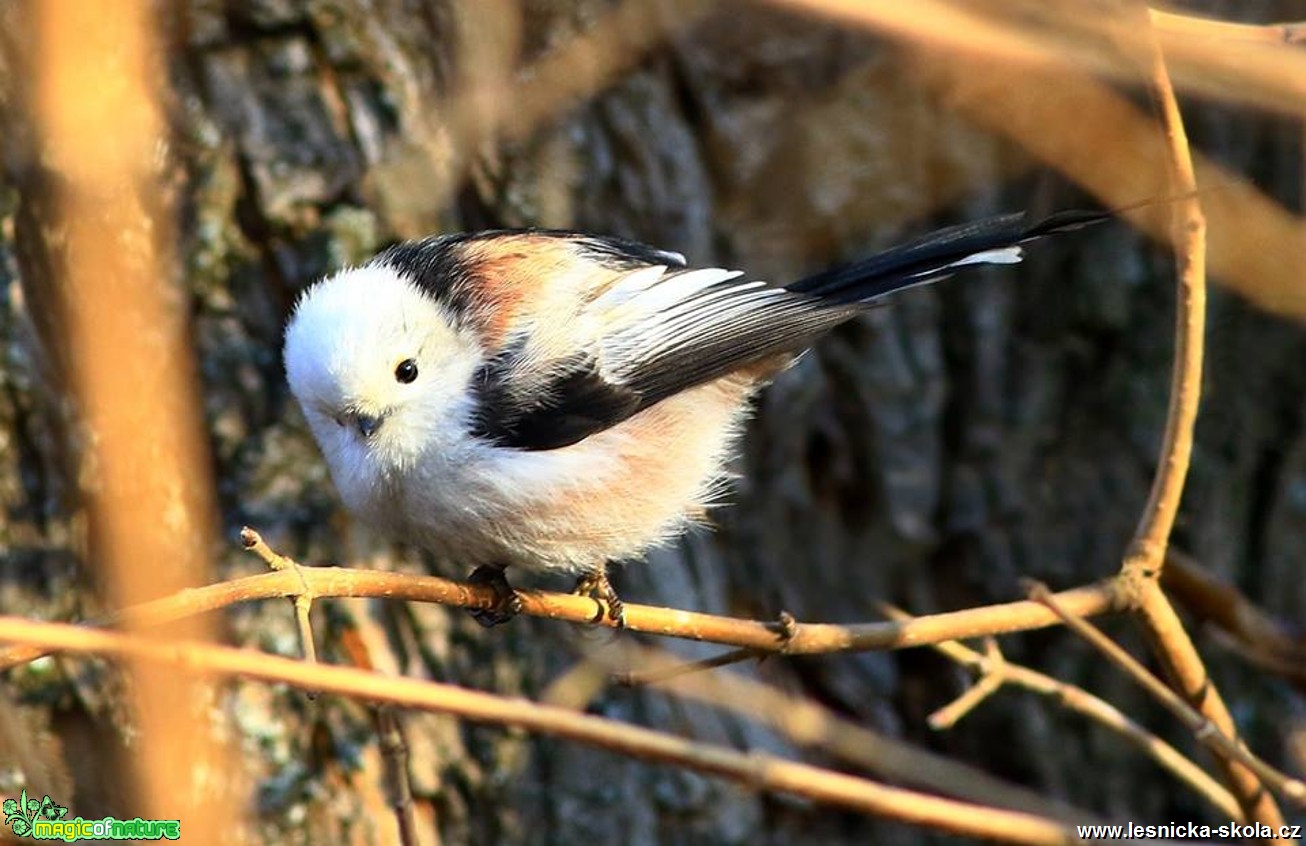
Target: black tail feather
column 940, row 254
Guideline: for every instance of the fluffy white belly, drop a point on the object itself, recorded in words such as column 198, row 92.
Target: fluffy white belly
column 608, row 497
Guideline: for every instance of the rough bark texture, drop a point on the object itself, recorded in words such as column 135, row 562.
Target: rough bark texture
column 1003, row 424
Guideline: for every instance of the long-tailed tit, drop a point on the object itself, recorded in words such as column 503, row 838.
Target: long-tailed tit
column 555, row 401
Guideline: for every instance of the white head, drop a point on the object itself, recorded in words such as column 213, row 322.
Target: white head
column 381, row 373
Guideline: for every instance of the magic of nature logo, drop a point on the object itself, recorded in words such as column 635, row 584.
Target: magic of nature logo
column 44, row 819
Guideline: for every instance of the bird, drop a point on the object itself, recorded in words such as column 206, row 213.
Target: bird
column 555, row 401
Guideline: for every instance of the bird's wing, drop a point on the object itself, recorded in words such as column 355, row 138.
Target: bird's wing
column 649, row 328
column 650, row 334
column 683, row 329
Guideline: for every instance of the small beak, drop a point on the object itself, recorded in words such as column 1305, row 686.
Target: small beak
column 367, row 424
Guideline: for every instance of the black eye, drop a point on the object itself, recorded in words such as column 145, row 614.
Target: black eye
column 406, row 371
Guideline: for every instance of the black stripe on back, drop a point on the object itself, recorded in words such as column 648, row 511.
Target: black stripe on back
column 436, row 265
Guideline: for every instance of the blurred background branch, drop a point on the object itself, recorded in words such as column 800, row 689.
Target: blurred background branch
column 142, row 468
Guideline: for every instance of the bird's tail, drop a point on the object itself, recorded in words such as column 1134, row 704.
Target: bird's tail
column 997, row 240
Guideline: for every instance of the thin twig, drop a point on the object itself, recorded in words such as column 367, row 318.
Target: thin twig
column 546, row 90
column 993, row 675
column 1232, row 69
column 303, row 600
column 756, row 770
column 394, row 754
column 798, row 639
column 396, row 784
column 1146, row 555
column 1259, row 636
column 1205, row 730
column 1080, row 701
column 1145, row 558
column 646, row 677
column 819, row 729
column 1069, row 119
column 952, row 713
column 1193, row 25
column 303, row 605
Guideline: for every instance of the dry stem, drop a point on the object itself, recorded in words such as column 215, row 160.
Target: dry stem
column 1145, row 558
column 801, row 639
column 756, row 770
column 1080, row 701
column 1225, row 745
column 1084, row 129
column 1263, row 639
column 816, row 727
column 1146, row 555
column 1194, row 25
column 394, row 753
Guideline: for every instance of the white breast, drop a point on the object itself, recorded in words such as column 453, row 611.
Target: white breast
column 608, row 497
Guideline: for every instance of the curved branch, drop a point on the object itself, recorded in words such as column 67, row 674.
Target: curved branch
column 751, row 769
column 1145, row 557
column 788, row 637
column 1226, row 745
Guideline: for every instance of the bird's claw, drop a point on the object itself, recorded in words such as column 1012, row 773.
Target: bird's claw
column 596, row 586
column 507, row 604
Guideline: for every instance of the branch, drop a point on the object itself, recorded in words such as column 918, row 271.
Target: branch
column 394, row 756
column 1257, row 635
column 1195, row 26
column 815, row 727
column 100, row 181
column 1211, row 735
column 500, row 105
column 757, row 770
column 1231, row 69
column 1080, row 701
column 785, row 636
column 1145, row 557
column 1086, row 130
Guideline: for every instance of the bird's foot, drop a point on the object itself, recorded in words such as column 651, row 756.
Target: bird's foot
column 507, row 604
column 596, row 586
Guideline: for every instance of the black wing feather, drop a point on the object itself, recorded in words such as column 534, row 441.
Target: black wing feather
column 700, row 353
column 573, row 405
column 588, row 394
column 442, row 267
column 718, row 329
column 934, row 256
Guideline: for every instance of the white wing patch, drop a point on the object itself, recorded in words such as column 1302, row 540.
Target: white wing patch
column 667, row 312
column 1002, row 255
column 631, row 285
column 649, row 307
column 721, row 309
column 657, row 292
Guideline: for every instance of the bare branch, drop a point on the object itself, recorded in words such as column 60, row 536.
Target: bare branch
column 993, row 674
column 757, row 770
column 1145, row 558
column 791, row 638
column 1146, row 555
column 1193, row 25
column 813, row 726
column 1255, row 633
column 1080, row 701
column 1204, row 729
column 394, row 752
column 662, row 674
column 1073, row 122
